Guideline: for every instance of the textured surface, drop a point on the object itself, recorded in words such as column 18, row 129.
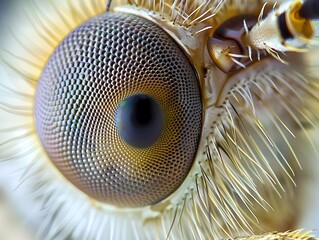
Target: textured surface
column 99, row 64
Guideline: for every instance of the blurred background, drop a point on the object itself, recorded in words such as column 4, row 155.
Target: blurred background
column 12, row 226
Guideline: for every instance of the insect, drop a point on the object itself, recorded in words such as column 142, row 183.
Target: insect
column 162, row 119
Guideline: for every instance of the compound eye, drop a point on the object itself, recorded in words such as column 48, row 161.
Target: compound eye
column 118, row 110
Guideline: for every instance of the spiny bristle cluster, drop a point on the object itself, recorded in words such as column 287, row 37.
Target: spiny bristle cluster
column 298, row 235
column 189, row 13
column 247, row 165
column 183, row 12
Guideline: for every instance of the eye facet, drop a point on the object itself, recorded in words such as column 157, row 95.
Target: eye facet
column 118, row 110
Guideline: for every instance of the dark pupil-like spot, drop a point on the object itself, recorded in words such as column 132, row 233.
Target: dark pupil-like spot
column 139, row 120
column 142, row 113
